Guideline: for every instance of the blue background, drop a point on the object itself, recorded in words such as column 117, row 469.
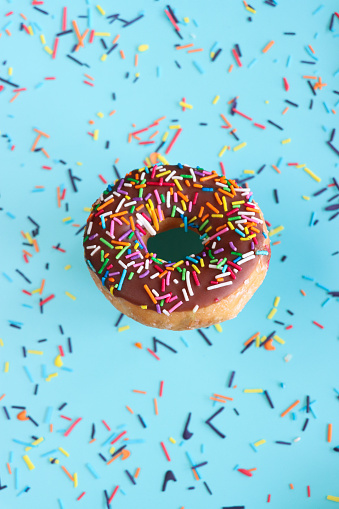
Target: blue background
column 105, row 366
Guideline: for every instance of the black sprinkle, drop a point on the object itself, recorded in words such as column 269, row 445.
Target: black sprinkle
column 103, row 43
column 36, row 389
column 320, row 191
column 9, row 83
column 177, row 64
column 62, row 406
column 216, row 54
column 269, row 399
column 307, row 404
column 291, row 103
column 75, row 59
column 279, row 322
column 275, row 192
column 283, row 258
column 305, row 425
column 102, row 457
column 157, row 341
column 333, row 147
column 42, row 340
column 236, row 411
column 289, row 33
column 336, row 449
column 333, row 197
column 275, row 125
column 283, row 443
column 311, row 87
column 270, row 336
column 119, row 450
column 311, row 104
column 331, row 22
column 261, row 168
column 200, row 464
column 247, row 346
column 23, row 275
column 231, row 379
column 307, row 62
column 18, row 407
column 33, row 421
column 238, row 50
column 211, row 425
column 142, row 421
column 73, row 178
column 116, row 171
column 69, row 345
column 203, row 123
column 187, row 434
column 332, row 134
column 40, row 10
column 64, row 33
column 131, row 478
column 204, row 336
column 207, row 487
column 80, row 230
column 169, row 476
column 119, row 319
column 107, row 144
column 111, row 49
column 24, row 351
column 93, row 431
column 336, row 183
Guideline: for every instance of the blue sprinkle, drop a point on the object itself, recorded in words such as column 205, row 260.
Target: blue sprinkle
column 28, row 373
column 279, row 162
column 21, row 442
column 123, row 275
column 7, row 25
column 44, row 370
column 158, row 72
column 312, row 219
column 137, row 441
column 9, row 214
column 109, row 439
column 237, row 259
column 184, row 341
column 294, row 416
column 214, row 47
column 207, row 189
column 251, row 64
column 326, row 302
column 236, row 467
column 202, row 448
column 198, row 67
column 39, row 85
column 180, row 165
column 10, row 460
column 67, row 369
column 264, row 234
column 27, row 306
column 308, row 278
column 7, row 277
column 336, row 73
column 326, row 107
column 103, row 222
column 322, row 287
column 254, row 447
column 195, row 22
column 23, row 491
column 318, row 9
column 288, row 61
column 261, row 252
column 61, row 504
column 48, row 415
column 239, row 232
column 191, row 259
column 49, row 453
column 93, row 472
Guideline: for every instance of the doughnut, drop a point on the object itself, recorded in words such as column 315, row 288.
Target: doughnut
column 203, row 289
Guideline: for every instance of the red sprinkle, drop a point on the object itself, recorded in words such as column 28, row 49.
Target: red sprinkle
column 308, row 491
column 154, row 354
column 113, row 494
column 237, row 59
column 103, row 179
column 287, row 87
column 118, row 437
column 106, row 425
column 61, row 350
column 175, row 137
column 165, row 451
column 67, row 432
column 245, row 472
column 82, row 494
column 47, row 299
column 161, row 388
column 318, row 324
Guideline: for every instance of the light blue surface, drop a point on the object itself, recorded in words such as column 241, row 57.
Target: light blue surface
column 97, row 380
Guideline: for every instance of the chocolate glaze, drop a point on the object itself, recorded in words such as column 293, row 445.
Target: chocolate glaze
column 133, row 290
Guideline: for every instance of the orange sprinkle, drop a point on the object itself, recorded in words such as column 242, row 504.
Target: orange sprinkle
column 137, row 472
column 112, row 113
column 251, row 469
column 129, row 409
column 46, row 153
column 329, row 433
column 9, row 468
column 218, row 399
column 159, row 120
column 290, row 408
column 42, row 286
column 291, row 486
column 89, row 77
column 14, row 97
column 275, row 168
column 285, row 110
column 119, row 214
column 35, row 244
column 114, row 458
column 209, row 177
column 35, row 142
column 154, row 134
column 105, row 204
column 139, row 392
column 76, row 29
column 252, row 338
column 185, row 46
column 82, row 38
column 58, row 197
column 155, row 406
column 230, row 68
column 201, row 211
column 115, row 39
column 122, row 54
column 276, row 243
column 136, row 59
column 225, row 120
column 8, row 32
column 150, row 294
column 212, row 207
column 23, row 16
column 310, row 77
column 51, row 428
column 67, row 473
column 311, row 49
column 2, row 396
column 93, row 440
column 303, row 293
column 268, row 46
column 195, row 50
column 221, row 396
column 217, row 197
column 195, row 474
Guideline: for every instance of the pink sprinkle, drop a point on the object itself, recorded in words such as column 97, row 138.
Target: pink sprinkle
column 91, row 37
column 118, row 437
column 197, row 282
column 113, row 494
column 154, row 354
column 175, row 307
column 195, row 198
column 308, row 491
column 161, row 388
column 61, row 350
column 82, row 494
column 106, row 425
column 67, row 432
column 165, row 451
column 64, row 19
column 55, row 48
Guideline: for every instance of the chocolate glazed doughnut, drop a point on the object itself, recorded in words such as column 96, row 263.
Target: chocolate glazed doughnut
column 204, row 288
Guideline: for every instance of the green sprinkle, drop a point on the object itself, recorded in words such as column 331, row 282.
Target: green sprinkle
column 86, row 238
column 103, row 266
column 133, row 180
column 210, row 254
column 122, row 251
column 234, row 218
column 130, row 235
column 132, row 209
column 205, row 223
column 130, row 276
column 141, row 190
column 105, row 242
column 162, row 197
column 162, row 302
column 235, row 253
column 183, row 275
column 221, row 263
column 187, row 176
column 102, row 254
column 173, row 210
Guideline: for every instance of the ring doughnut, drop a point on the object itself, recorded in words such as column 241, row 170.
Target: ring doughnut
column 203, row 289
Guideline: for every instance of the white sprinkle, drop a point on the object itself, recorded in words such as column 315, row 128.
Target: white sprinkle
column 188, row 282
column 249, row 253
column 140, row 269
column 147, row 264
column 142, row 221
column 185, row 294
column 180, row 211
column 213, row 287
column 120, row 205
column 243, row 260
column 223, row 274
column 89, row 229
column 130, row 203
column 155, row 292
column 91, row 247
column 95, row 250
column 122, row 264
column 165, row 312
column 106, row 213
column 175, row 281
column 195, row 309
column 170, row 176
column 155, row 275
column 193, row 175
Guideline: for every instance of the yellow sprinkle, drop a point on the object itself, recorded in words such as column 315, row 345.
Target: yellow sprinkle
column 177, row 183
column 333, row 499
column 258, row 341
column 216, row 99
column 300, row 165
column 54, row 460
column 70, row 296
column 52, row 375
column 306, row 197
column 286, row 141
column 28, row 448
column 38, row 441
column 276, row 302
column 217, row 215
column 186, row 105
column 35, row 291
column 143, row 47
column 103, row 57
column 67, row 267
column 230, row 225
column 58, row 361
column 28, row 462
column 101, row 10
column 208, row 229
column 66, row 219
column 250, row 9
column 260, row 442
column 222, row 151
column 6, row 367
column 96, row 134
column 163, row 173
column 241, row 145
column 177, row 264
column 224, row 202
column 164, row 138
column 87, row 209
column 10, row 71
column 175, row 126
column 186, row 19
column 162, row 159
column 249, row 171
column 122, row 329
column 271, row 313
column 29, row 238
column 137, row 74
column 112, row 450
column 218, row 327
column 102, row 34
column 148, row 161
column 313, row 175
column 42, row 39
column 75, row 479
column 143, row 307
column 35, row 352
column 195, row 268
column 1, row 342
column 275, row 230
column 254, row 390
column 101, row 115
column 63, row 451
column 172, row 440
column 48, row 49
column 279, row 340
column 30, row 29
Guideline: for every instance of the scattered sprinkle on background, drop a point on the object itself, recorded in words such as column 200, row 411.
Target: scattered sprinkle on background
column 96, row 409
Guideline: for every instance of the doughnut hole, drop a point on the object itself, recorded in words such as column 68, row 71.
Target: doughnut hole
column 172, row 243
